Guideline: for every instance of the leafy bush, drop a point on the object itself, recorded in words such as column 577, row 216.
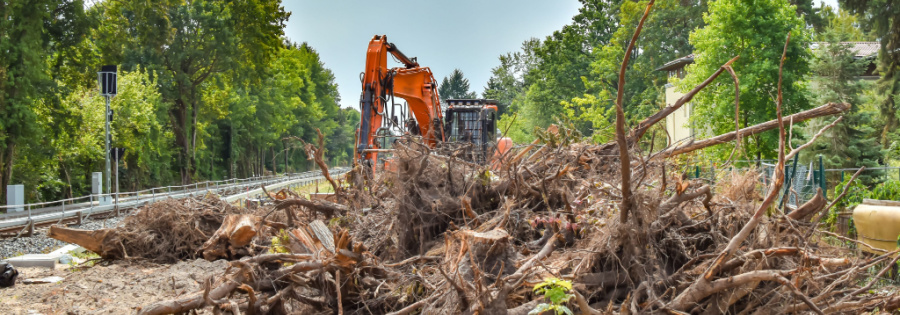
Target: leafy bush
column 889, row 190
column 557, row 292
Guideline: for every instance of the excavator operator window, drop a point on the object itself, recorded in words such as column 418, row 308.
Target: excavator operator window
column 465, row 126
column 490, row 125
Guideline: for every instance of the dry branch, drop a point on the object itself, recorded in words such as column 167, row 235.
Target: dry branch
column 821, row 111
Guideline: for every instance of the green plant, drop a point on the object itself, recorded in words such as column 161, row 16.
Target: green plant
column 557, row 292
column 278, row 243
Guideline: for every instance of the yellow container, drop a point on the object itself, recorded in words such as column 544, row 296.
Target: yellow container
column 877, row 224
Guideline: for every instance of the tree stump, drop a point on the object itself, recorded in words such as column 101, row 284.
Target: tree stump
column 490, row 253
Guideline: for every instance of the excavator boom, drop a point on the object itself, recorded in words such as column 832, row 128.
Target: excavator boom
column 413, row 83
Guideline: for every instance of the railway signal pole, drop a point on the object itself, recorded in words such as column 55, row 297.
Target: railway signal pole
column 108, row 89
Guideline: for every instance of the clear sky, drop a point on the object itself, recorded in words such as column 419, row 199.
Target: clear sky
column 465, row 34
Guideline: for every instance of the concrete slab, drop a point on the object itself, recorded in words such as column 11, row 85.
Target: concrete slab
column 33, row 260
column 66, row 249
column 45, row 260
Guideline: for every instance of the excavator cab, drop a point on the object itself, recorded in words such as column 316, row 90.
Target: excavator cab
column 472, row 121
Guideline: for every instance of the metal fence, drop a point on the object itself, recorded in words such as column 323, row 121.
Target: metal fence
column 106, row 202
column 801, row 179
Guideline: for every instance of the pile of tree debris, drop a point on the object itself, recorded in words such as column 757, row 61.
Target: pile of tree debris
column 443, row 236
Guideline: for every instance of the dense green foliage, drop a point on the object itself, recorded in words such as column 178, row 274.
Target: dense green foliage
column 853, row 142
column 755, row 30
column 574, row 72
column 207, row 90
column 455, row 85
column 883, row 18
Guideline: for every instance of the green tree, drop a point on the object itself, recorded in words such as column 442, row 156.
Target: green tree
column 756, row 30
column 883, row 18
column 853, row 142
column 842, row 22
column 455, row 85
column 660, row 42
column 29, row 31
column 187, row 43
column 507, row 85
column 563, row 58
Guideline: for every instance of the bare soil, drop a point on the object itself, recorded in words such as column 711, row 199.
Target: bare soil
column 117, row 287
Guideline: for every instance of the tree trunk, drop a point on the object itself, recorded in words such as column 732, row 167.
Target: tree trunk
column 181, row 128
column 7, row 158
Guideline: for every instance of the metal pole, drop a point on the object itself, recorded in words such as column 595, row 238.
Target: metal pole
column 106, row 141
column 822, row 178
column 117, row 182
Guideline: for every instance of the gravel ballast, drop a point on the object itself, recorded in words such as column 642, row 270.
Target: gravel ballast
column 41, row 244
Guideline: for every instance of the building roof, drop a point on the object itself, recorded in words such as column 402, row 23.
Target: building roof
column 677, row 63
column 859, row 49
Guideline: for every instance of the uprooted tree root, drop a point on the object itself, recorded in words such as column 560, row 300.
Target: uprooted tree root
column 423, row 247
column 165, row 231
column 443, row 236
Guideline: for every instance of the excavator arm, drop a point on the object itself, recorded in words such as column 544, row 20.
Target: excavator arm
column 413, row 83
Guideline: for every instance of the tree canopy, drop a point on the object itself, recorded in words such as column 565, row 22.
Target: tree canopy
column 755, row 30
column 207, row 90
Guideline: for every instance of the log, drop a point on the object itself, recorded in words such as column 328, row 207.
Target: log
column 315, row 238
column 328, row 208
column 95, row 241
column 824, row 110
column 810, row 207
column 236, row 232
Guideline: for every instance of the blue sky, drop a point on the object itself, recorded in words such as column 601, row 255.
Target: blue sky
column 465, row 34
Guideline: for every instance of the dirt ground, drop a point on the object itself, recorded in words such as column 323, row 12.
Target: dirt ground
column 119, row 287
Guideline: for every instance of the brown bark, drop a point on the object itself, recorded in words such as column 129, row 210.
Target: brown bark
column 824, row 110
column 624, row 157
column 236, row 231
column 325, row 207
column 95, row 241
column 810, row 207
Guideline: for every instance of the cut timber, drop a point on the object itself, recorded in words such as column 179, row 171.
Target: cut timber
column 95, row 241
column 824, row 110
column 314, row 238
column 236, row 232
column 328, row 208
column 323, row 196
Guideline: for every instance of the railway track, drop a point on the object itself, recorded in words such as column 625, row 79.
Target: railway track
column 19, row 225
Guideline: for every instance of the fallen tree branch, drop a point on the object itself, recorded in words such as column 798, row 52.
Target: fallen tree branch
column 824, row 110
column 645, row 124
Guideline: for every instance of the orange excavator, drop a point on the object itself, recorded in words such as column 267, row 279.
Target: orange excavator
column 472, row 121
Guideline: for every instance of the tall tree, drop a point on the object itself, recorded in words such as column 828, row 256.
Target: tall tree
column 755, row 30
column 553, row 69
column 189, row 42
column 664, row 38
column 853, row 142
column 883, row 17
column 455, row 85
column 29, row 31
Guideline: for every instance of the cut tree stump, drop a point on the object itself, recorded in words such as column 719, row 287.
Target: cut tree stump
column 95, row 241
column 314, row 238
column 236, row 232
column 490, row 252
